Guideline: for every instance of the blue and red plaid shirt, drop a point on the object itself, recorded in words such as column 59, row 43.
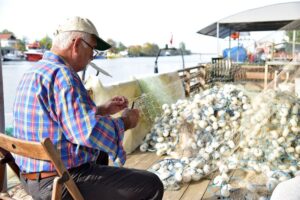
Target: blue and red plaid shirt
column 51, row 101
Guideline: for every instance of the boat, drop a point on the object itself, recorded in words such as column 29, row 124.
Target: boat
column 13, row 56
column 111, row 55
column 34, row 52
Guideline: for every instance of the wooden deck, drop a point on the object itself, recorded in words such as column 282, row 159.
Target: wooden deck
column 140, row 160
column 201, row 190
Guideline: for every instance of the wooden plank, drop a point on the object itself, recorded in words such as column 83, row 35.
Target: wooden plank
column 254, row 67
column 141, row 160
column 238, row 175
column 20, row 147
column 257, row 75
column 194, row 75
column 213, row 191
column 175, row 195
column 241, row 178
column 19, row 193
column 190, row 68
column 196, row 190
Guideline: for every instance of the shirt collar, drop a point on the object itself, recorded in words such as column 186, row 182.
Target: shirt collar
column 48, row 55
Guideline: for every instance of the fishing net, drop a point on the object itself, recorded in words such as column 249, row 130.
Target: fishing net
column 199, row 132
column 156, row 91
column 148, row 95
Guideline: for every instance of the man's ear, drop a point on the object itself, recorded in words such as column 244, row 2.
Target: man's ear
column 75, row 45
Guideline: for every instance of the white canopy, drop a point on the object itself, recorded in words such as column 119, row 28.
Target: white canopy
column 282, row 16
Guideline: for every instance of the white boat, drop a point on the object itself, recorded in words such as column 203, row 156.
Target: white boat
column 13, row 56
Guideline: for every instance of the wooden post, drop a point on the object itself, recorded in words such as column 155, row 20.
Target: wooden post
column 2, row 116
column 287, row 76
column 275, row 79
column 187, row 82
column 266, row 76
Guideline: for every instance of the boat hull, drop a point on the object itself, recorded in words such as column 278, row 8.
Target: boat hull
column 33, row 56
column 13, row 58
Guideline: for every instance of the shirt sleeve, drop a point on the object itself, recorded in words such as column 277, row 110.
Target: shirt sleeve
column 77, row 117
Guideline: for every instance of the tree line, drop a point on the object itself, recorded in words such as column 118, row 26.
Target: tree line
column 147, row 49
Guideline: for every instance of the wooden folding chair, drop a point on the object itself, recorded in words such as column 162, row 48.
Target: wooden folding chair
column 41, row 151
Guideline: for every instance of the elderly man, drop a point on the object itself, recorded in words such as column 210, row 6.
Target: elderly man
column 51, row 101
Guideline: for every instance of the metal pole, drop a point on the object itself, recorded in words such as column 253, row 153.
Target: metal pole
column 238, row 49
column 155, row 66
column 294, row 40
column 218, row 45
column 229, row 52
column 2, row 115
column 182, row 57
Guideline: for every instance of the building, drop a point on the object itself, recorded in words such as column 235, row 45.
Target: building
column 8, row 43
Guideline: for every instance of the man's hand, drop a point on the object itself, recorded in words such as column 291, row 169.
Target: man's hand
column 114, row 105
column 130, row 118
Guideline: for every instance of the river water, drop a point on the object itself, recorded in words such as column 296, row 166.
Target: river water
column 121, row 69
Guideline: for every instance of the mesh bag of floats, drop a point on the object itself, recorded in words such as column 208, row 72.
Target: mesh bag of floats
column 270, row 143
column 269, row 146
column 197, row 133
column 223, row 129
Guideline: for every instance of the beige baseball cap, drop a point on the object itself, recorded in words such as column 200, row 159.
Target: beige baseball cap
column 84, row 25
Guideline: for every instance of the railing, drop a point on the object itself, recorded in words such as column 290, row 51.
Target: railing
column 198, row 78
column 194, row 79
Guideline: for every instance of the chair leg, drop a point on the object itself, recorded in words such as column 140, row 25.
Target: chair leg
column 2, row 177
column 57, row 189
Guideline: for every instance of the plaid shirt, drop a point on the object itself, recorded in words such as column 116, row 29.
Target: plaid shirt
column 51, row 101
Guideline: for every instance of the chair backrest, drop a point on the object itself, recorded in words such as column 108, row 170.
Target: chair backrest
column 41, row 151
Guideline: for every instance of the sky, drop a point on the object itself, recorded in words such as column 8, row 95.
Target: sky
column 132, row 22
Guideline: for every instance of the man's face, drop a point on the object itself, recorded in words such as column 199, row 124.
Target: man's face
column 85, row 53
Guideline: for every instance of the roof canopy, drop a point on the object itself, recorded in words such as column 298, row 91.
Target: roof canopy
column 283, row 16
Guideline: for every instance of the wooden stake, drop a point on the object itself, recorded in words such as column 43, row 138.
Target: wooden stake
column 2, row 118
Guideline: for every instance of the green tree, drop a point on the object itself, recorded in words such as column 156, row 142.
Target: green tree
column 121, row 47
column 5, row 31
column 134, row 50
column 288, row 45
column 149, row 49
column 290, row 36
column 21, row 45
column 46, row 42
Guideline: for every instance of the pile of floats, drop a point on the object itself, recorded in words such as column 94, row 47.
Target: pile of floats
column 222, row 129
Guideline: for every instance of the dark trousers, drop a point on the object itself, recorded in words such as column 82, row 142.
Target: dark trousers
column 102, row 182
